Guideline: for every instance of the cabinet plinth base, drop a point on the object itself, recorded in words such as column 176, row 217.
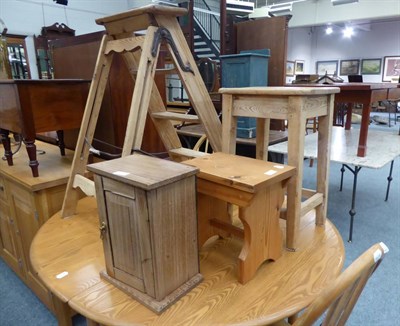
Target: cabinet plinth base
column 157, row 306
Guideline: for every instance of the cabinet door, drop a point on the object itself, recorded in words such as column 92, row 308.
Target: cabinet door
column 125, row 238
column 7, row 239
column 26, row 220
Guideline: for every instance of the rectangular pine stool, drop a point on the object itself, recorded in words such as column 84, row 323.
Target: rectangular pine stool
column 257, row 187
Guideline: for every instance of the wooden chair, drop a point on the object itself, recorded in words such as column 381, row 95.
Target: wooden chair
column 341, row 296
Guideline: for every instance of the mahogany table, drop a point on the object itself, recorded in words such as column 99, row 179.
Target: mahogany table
column 28, row 107
column 67, row 254
column 365, row 94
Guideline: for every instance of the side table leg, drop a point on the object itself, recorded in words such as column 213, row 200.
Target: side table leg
column 7, row 146
column 324, row 153
column 296, row 134
column 229, row 125
column 31, row 150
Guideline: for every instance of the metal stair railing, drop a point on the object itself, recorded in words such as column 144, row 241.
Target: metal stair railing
column 208, row 25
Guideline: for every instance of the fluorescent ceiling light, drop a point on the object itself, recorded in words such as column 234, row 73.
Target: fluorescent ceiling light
column 239, row 7
column 329, row 30
column 280, row 9
column 342, row 2
column 348, row 32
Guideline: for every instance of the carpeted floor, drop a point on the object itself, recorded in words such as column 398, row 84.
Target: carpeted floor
column 375, row 221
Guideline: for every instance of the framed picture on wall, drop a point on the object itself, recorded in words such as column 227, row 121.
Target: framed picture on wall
column 349, row 67
column 327, row 67
column 391, row 69
column 299, row 67
column 371, row 66
column 289, row 68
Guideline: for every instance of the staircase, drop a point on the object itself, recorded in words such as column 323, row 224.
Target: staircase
column 206, row 30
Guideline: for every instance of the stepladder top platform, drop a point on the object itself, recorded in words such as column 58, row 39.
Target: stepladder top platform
column 138, row 18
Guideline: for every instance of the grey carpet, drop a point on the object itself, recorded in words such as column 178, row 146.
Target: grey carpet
column 375, row 221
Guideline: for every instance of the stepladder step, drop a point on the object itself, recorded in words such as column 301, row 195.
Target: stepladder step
column 175, row 116
column 183, row 154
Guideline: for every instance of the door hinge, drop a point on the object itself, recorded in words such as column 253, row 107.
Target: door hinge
column 36, row 215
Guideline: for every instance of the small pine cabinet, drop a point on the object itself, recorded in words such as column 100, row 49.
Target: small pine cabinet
column 147, row 210
column 25, row 204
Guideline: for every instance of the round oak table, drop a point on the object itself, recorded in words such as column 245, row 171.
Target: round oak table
column 68, row 256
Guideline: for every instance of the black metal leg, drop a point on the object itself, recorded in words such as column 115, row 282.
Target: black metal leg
column 341, row 178
column 389, row 179
column 352, row 211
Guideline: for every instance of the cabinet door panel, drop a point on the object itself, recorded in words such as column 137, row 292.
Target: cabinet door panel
column 125, row 239
column 26, row 223
column 7, row 242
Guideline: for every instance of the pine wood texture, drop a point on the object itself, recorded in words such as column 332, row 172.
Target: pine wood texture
column 279, row 289
column 26, row 203
column 296, row 104
column 257, row 187
column 147, row 209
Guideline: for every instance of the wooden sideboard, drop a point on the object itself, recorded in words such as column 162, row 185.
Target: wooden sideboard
column 25, row 204
column 28, row 107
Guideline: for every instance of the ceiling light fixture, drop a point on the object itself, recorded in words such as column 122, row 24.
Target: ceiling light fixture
column 342, row 2
column 239, row 7
column 348, row 32
column 329, row 30
column 280, row 9
column 61, row 2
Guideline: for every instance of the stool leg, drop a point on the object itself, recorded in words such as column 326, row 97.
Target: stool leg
column 262, row 234
column 208, row 208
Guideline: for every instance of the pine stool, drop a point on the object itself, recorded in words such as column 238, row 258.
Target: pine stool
column 257, row 187
column 296, row 104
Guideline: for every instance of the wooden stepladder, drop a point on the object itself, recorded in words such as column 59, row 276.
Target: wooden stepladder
column 140, row 54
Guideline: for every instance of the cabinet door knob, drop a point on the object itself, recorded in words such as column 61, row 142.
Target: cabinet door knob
column 102, row 229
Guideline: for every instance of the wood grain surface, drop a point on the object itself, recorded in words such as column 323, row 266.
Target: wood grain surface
column 243, row 173
column 56, row 168
column 280, row 90
column 279, row 289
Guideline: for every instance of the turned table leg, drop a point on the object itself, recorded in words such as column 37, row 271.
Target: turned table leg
column 7, row 146
column 61, row 144
column 33, row 162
